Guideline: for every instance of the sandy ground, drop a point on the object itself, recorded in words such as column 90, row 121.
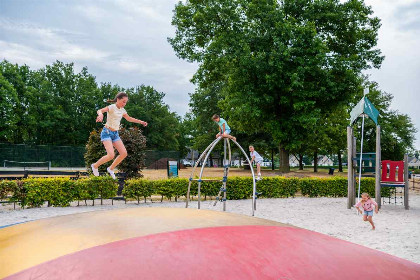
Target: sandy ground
column 397, row 233
column 238, row 172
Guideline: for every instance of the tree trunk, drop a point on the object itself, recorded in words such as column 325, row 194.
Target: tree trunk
column 340, row 162
column 272, row 159
column 300, row 162
column 316, row 160
column 284, row 159
column 211, row 160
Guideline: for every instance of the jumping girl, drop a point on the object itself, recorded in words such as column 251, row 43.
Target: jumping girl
column 368, row 206
column 109, row 134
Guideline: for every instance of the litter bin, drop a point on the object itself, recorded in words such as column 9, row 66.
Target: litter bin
column 331, row 171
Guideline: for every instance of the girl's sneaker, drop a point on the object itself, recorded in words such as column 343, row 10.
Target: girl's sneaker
column 111, row 172
column 95, row 171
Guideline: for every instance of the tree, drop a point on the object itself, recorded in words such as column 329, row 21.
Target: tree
column 55, row 105
column 18, row 77
column 281, row 66
column 147, row 104
column 8, row 118
column 397, row 130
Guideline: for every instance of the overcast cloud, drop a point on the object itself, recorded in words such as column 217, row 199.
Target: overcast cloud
column 125, row 42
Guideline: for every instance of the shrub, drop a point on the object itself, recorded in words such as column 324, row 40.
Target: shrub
column 103, row 186
column 7, row 188
column 35, row 192
column 137, row 188
column 135, row 144
column 56, row 191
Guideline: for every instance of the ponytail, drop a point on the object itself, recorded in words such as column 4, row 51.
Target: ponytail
column 119, row 95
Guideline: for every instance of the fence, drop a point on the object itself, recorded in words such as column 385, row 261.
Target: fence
column 59, row 156
column 70, row 156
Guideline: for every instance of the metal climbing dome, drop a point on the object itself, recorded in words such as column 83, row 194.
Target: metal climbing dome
column 227, row 160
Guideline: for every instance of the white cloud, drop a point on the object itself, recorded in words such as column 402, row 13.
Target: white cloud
column 399, row 41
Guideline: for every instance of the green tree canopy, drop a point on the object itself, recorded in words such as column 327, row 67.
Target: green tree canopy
column 282, row 65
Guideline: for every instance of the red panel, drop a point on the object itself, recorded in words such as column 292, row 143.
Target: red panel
column 392, row 170
column 243, row 252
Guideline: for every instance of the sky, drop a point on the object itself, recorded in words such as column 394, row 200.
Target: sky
column 125, row 42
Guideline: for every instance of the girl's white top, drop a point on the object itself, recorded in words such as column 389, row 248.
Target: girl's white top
column 257, row 156
column 114, row 116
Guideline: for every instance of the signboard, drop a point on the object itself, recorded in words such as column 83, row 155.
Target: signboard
column 172, row 169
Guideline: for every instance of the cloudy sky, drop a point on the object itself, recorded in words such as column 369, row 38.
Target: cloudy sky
column 125, row 42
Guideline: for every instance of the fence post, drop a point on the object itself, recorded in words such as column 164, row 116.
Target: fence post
column 378, row 167
column 406, row 182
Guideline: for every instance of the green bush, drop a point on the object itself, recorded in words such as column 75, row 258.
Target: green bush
column 278, row 187
column 138, row 188
column 56, row 191
column 34, row 192
column 7, row 188
column 103, row 187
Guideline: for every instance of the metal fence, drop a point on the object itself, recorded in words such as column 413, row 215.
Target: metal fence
column 70, row 156
column 59, row 156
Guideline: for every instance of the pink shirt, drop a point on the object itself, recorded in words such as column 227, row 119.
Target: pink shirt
column 368, row 205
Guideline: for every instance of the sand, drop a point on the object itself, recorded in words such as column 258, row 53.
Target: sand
column 397, row 230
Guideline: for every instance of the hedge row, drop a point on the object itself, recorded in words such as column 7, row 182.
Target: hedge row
column 35, row 192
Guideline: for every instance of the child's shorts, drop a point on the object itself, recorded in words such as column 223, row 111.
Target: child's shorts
column 109, row 135
column 258, row 162
column 227, row 131
column 368, row 213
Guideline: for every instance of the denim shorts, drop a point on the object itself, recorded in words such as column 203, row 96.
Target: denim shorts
column 227, row 131
column 109, row 135
column 368, row 213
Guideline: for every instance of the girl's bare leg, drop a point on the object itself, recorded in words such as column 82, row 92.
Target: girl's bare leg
column 119, row 145
column 258, row 168
column 365, row 218
column 225, row 135
column 371, row 222
column 109, row 154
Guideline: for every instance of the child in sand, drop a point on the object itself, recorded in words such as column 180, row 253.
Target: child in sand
column 368, row 205
column 224, row 129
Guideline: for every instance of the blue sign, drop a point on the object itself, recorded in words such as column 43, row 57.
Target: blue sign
column 172, row 169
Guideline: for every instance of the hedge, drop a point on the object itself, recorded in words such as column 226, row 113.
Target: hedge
column 34, row 192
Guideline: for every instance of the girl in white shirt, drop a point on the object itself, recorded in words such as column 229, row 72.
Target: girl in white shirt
column 258, row 160
column 109, row 134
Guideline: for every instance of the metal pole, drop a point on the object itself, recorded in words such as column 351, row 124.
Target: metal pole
column 378, row 167
column 406, row 182
column 353, row 190
column 195, row 166
column 253, row 176
column 361, row 156
column 227, row 173
column 350, row 184
column 202, row 168
column 224, row 173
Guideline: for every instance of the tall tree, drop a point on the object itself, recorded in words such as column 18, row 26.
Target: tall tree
column 397, row 129
column 147, row 104
column 281, row 65
column 8, row 117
